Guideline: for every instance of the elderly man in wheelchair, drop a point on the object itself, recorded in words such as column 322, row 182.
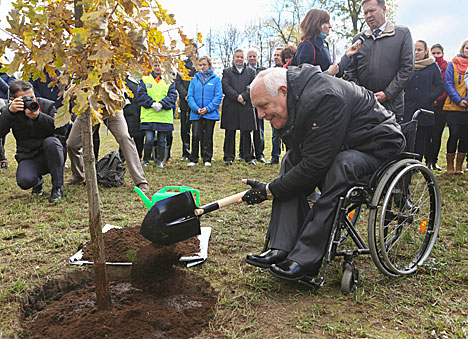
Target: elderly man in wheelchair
column 338, row 136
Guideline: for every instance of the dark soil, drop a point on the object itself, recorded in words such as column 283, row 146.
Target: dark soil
column 122, row 245
column 158, row 299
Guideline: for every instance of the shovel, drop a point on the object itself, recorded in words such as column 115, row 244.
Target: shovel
column 178, row 218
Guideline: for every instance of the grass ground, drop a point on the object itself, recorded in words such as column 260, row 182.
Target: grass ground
column 36, row 239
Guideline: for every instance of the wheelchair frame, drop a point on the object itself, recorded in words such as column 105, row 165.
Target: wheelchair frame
column 402, row 226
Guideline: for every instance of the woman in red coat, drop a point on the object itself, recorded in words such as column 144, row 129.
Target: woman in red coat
column 433, row 147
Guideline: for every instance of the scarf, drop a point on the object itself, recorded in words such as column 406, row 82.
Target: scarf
column 421, row 64
column 204, row 76
column 442, row 63
column 460, row 63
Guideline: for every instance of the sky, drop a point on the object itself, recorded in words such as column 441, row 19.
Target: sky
column 431, row 20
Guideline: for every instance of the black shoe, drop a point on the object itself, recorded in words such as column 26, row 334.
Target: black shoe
column 56, row 194
column 251, row 162
column 261, row 159
column 289, row 270
column 38, row 189
column 265, row 259
column 228, row 162
column 273, row 161
column 4, row 164
column 436, row 167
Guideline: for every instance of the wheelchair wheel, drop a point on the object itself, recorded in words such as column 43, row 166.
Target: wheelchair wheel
column 405, row 223
column 349, row 279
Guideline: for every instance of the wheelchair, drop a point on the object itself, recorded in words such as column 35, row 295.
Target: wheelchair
column 404, row 212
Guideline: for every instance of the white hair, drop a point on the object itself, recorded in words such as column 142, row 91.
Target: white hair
column 252, row 49
column 272, row 78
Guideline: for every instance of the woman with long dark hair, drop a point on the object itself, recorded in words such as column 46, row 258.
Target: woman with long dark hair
column 423, row 89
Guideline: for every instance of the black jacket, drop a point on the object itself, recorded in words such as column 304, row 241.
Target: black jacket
column 236, row 116
column 28, row 133
column 384, row 64
column 132, row 109
column 325, row 116
column 425, row 86
column 183, row 85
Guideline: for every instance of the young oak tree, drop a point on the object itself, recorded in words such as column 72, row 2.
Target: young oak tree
column 93, row 44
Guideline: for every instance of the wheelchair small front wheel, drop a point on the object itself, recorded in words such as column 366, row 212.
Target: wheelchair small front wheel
column 349, row 279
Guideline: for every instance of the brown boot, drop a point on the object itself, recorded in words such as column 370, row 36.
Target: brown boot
column 459, row 163
column 450, row 159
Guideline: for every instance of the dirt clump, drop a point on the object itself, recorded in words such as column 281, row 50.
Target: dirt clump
column 122, row 246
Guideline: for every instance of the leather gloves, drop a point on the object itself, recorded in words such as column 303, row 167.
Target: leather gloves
column 257, row 194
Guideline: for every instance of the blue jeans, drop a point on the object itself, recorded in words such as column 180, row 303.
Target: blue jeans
column 161, row 138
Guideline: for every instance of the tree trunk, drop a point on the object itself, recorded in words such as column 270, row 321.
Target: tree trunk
column 103, row 299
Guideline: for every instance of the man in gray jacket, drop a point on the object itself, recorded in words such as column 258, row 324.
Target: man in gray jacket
column 337, row 135
column 384, row 63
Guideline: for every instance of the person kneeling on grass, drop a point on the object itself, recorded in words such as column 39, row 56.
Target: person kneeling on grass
column 39, row 149
column 337, row 135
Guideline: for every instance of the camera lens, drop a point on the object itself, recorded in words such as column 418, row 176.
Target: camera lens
column 30, row 104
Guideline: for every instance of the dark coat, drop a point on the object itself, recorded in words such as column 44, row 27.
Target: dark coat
column 384, row 63
column 5, row 81
column 132, row 109
column 325, row 116
column 42, row 90
column 236, row 116
column 315, row 51
column 183, row 85
column 28, row 133
column 424, row 88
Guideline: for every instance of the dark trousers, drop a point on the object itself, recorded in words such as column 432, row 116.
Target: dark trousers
column 434, row 141
column 276, row 146
column 259, row 138
column 458, row 138
column 304, row 231
column 185, row 132
column 2, row 149
column 230, row 145
column 202, row 135
column 50, row 160
column 422, row 135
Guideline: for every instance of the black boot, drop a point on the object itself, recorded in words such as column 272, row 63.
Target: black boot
column 56, row 194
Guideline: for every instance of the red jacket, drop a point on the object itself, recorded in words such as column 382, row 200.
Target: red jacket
column 441, row 100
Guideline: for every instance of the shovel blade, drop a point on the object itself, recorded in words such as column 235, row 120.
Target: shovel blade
column 171, row 220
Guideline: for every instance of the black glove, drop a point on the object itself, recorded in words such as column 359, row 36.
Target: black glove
column 256, row 194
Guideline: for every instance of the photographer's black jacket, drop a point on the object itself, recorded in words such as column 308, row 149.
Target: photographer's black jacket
column 29, row 133
column 325, row 116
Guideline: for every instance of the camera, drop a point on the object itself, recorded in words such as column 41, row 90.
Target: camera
column 30, row 104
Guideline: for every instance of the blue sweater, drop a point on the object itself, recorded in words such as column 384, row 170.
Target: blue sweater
column 207, row 95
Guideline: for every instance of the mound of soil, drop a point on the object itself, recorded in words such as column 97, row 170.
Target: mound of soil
column 158, row 299
column 177, row 306
column 123, row 244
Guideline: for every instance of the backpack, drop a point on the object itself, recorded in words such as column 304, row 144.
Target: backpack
column 110, row 170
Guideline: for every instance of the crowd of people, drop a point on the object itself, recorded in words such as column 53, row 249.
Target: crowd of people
column 403, row 77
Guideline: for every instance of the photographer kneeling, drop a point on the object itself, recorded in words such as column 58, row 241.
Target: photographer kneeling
column 38, row 148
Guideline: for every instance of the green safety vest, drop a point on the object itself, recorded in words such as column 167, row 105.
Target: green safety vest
column 157, row 92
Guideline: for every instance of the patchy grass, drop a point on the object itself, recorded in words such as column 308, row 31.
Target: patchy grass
column 36, row 239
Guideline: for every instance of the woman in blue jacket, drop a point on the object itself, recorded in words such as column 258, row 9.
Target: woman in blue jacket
column 425, row 86
column 204, row 97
